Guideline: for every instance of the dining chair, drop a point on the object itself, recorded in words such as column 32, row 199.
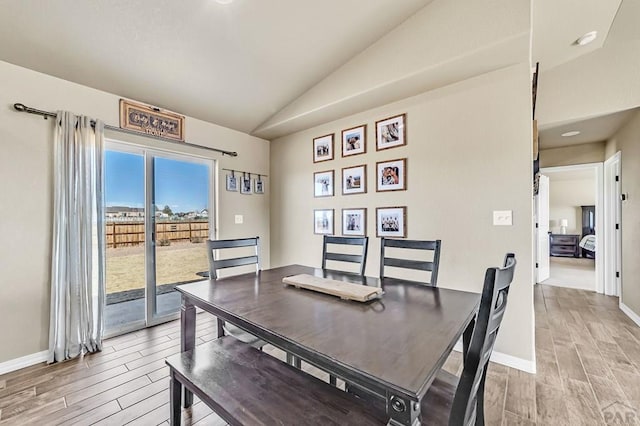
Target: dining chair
column 216, row 264
column 420, row 265
column 360, row 259
column 464, row 398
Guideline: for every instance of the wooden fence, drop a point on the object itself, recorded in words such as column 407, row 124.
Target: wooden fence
column 124, row 234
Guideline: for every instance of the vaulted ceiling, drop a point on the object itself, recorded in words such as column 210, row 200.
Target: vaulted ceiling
column 272, row 67
column 234, row 65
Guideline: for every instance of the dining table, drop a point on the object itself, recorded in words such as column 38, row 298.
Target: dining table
column 392, row 346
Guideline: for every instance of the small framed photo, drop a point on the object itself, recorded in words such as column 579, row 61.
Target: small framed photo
column 323, row 221
column 323, row 148
column 354, row 221
column 354, row 141
column 232, row 183
column 391, row 175
column 258, row 185
column 245, row 187
column 391, row 222
column 354, row 180
column 390, row 132
column 323, row 184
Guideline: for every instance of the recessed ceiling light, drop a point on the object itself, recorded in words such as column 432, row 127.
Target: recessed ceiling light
column 571, row 133
column 587, row 38
column 224, row 1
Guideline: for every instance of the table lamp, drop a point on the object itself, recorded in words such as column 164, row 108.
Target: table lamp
column 563, row 226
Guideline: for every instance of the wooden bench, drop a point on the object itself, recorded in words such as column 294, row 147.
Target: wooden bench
column 245, row 386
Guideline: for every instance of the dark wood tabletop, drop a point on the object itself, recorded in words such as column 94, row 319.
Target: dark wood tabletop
column 394, row 345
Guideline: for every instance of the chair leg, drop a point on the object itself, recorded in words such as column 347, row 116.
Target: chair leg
column 220, row 324
column 174, row 400
column 289, row 359
column 332, row 380
column 297, row 362
column 480, row 399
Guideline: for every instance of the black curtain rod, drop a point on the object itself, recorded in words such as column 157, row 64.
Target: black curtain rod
column 242, row 171
column 46, row 114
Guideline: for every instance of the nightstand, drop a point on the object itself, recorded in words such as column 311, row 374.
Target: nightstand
column 564, row 245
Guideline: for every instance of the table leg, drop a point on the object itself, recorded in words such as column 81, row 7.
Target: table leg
column 403, row 412
column 187, row 337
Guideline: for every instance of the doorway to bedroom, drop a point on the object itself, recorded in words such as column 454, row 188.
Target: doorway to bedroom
column 575, row 218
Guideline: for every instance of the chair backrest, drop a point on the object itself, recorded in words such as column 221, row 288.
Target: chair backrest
column 421, row 265
column 216, row 264
column 361, row 258
column 467, row 404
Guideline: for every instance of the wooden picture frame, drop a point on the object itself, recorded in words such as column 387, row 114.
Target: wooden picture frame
column 354, row 140
column 323, row 148
column 391, row 175
column 391, row 132
column 354, row 179
column 150, row 120
column 391, row 222
column 354, row 222
column 323, row 221
column 323, row 184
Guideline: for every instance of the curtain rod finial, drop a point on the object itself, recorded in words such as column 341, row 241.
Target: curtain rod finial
column 19, row 107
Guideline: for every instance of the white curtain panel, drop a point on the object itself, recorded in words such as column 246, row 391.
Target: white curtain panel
column 78, row 266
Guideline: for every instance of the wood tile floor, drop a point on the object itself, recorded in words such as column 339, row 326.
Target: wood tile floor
column 588, row 362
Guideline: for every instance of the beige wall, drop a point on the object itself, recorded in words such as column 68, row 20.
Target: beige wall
column 26, row 194
column 611, row 147
column 469, row 152
column 574, row 154
column 627, row 140
column 565, row 200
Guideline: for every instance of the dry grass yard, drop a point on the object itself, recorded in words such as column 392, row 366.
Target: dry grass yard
column 178, row 262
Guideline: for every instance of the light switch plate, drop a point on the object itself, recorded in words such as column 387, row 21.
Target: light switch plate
column 503, row 217
column 239, row 219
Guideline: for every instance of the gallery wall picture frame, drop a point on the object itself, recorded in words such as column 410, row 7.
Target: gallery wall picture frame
column 354, row 222
column 354, row 179
column 232, row 182
column 258, row 185
column 354, row 140
column 391, row 132
column 323, row 148
column 323, row 221
column 245, row 184
column 391, row 175
column 151, row 120
column 391, row 222
column 323, row 184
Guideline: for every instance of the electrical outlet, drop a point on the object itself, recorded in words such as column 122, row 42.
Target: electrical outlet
column 239, row 219
column 503, row 217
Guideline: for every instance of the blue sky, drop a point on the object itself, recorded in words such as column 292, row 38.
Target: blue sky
column 181, row 185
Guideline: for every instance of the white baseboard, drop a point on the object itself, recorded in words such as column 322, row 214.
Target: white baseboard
column 507, row 360
column 22, row 362
column 627, row 310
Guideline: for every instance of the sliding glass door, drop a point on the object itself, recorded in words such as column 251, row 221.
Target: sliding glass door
column 180, row 197
column 159, row 215
column 125, row 243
